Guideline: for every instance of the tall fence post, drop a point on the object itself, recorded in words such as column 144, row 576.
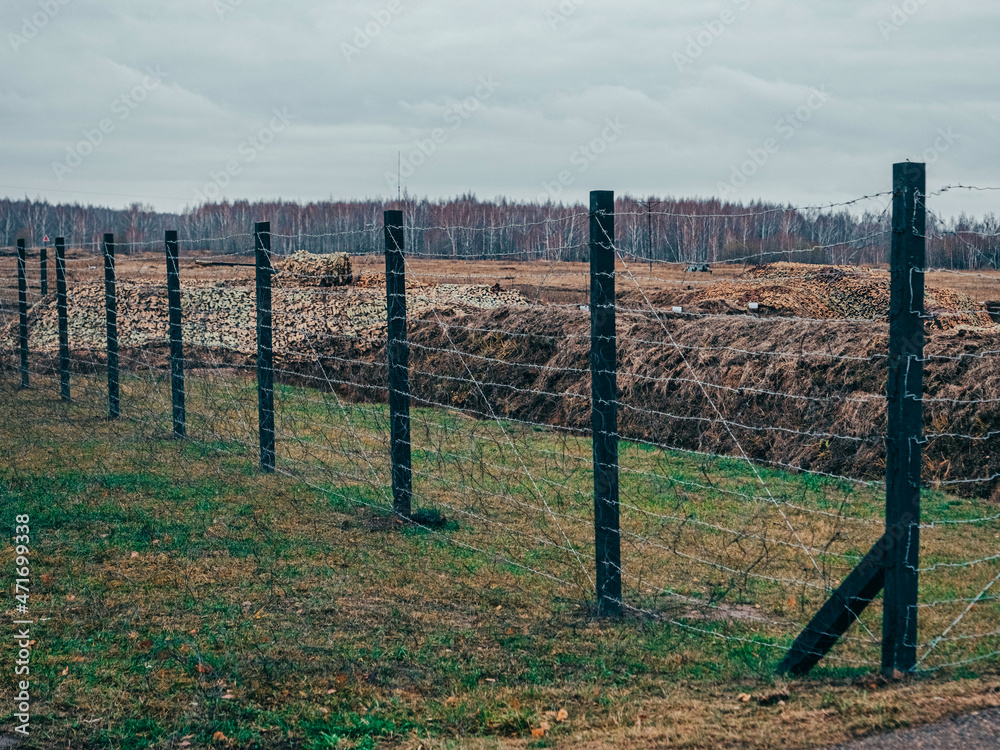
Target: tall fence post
column 22, row 304
column 905, row 407
column 62, row 309
column 399, row 364
column 265, row 344
column 604, row 398
column 45, row 270
column 176, row 334
column 111, row 319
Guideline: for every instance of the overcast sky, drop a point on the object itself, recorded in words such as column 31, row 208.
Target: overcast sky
column 111, row 101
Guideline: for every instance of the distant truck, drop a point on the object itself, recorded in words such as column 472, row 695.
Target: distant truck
column 699, row 268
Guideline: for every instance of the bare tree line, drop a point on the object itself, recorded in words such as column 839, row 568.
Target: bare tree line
column 669, row 229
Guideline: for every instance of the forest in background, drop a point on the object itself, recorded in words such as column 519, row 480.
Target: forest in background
column 671, row 230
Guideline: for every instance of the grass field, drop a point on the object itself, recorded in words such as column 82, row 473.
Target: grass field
column 190, row 601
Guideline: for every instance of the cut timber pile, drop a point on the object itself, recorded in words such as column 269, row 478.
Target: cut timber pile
column 826, row 292
column 316, row 269
column 223, row 317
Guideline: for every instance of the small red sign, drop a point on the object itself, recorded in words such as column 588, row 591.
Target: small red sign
column 46, row 238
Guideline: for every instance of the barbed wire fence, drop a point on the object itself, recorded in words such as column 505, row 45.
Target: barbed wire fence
column 622, row 435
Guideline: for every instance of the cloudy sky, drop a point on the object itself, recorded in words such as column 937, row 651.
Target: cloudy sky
column 112, row 101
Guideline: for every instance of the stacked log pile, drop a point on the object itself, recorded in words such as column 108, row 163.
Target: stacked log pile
column 224, row 316
column 316, row 269
column 827, row 292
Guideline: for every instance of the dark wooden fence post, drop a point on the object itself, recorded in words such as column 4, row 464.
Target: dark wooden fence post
column 176, row 335
column 905, row 406
column 265, row 344
column 604, row 395
column 62, row 310
column 111, row 318
column 22, row 304
column 399, row 364
column 45, row 270
column 893, row 562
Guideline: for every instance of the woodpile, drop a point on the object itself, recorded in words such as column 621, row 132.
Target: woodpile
column 827, row 292
column 215, row 316
column 316, row 269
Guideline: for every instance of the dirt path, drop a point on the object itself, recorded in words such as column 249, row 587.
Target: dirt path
column 976, row 731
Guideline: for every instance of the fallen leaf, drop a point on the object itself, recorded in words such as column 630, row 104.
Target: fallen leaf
column 537, row 732
column 745, row 697
column 135, row 554
column 133, row 635
column 204, row 669
column 228, row 697
column 219, row 737
column 65, row 672
column 46, row 577
column 562, row 715
column 545, row 726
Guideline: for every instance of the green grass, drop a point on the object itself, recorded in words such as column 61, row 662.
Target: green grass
column 186, row 595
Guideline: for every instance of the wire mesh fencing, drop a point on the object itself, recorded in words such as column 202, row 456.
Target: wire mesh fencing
column 750, row 411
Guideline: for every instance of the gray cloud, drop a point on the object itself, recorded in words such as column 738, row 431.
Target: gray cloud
column 895, row 79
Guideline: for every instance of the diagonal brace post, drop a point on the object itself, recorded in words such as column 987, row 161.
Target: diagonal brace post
column 840, row 611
